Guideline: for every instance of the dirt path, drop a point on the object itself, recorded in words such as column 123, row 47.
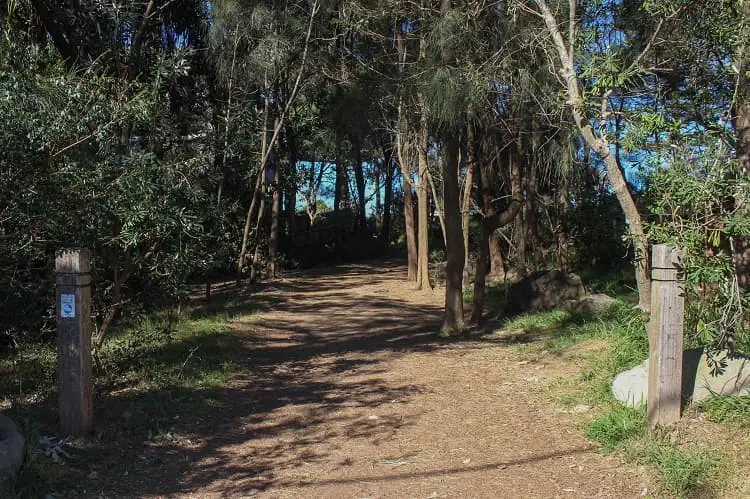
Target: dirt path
column 349, row 393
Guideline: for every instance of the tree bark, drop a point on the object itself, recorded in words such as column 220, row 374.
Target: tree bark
column 341, row 196
column 273, row 240
column 438, row 205
column 453, row 320
column 600, row 145
column 359, row 177
column 292, row 183
column 423, row 204
column 563, row 199
column 258, row 226
column 497, row 262
column 378, row 203
column 257, row 192
column 385, row 234
column 228, row 115
column 468, row 185
column 741, row 245
column 491, row 221
column 409, row 225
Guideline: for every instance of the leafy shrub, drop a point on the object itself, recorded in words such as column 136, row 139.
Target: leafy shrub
column 692, row 204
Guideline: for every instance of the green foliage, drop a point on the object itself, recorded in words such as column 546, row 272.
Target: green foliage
column 693, row 208
column 682, row 472
column 734, row 410
column 94, row 160
column 613, row 429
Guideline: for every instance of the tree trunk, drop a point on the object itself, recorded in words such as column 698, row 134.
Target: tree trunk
column 273, row 240
column 563, row 199
column 292, row 183
column 468, row 185
column 741, row 245
column 531, row 239
column 385, row 235
column 453, row 320
column 411, row 244
column 438, row 205
column 423, row 203
column 601, row 146
column 340, row 197
column 378, row 204
column 490, row 223
column 225, row 149
column 497, row 262
column 257, row 192
column 359, row 177
column 258, row 227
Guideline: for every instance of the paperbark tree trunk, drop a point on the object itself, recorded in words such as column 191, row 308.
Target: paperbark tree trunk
column 423, row 204
column 600, row 145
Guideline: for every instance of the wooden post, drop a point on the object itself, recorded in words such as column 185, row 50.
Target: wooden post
column 73, row 297
column 665, row 330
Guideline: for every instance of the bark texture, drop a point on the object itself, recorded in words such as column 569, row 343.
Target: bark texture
column 453, row 320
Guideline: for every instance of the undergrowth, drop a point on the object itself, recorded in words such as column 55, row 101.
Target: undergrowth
column 681, row 471
column 733, row 410
column 151, row 375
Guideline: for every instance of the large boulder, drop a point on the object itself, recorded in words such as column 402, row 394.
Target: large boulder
column 11, row 449
column 733, row 381
column 545, row 290
column 698, row 383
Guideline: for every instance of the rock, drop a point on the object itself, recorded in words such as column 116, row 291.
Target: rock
column 734, row 381
column 698, row 384
column 11, row 449
column 630, row 387
column 593, row 304
column 545, row 290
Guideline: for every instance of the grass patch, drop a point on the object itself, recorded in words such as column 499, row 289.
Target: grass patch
column 682, row 472
column 613, row 429
column 621, row 331
column 733, row 410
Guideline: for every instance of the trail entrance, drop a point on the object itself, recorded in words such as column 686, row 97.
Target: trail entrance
column 350, row 393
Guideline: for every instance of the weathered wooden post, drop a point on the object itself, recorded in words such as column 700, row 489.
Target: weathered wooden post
column 73, row 293
column 665, row 330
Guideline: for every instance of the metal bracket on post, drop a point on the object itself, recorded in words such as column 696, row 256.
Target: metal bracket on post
column 73, row 298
